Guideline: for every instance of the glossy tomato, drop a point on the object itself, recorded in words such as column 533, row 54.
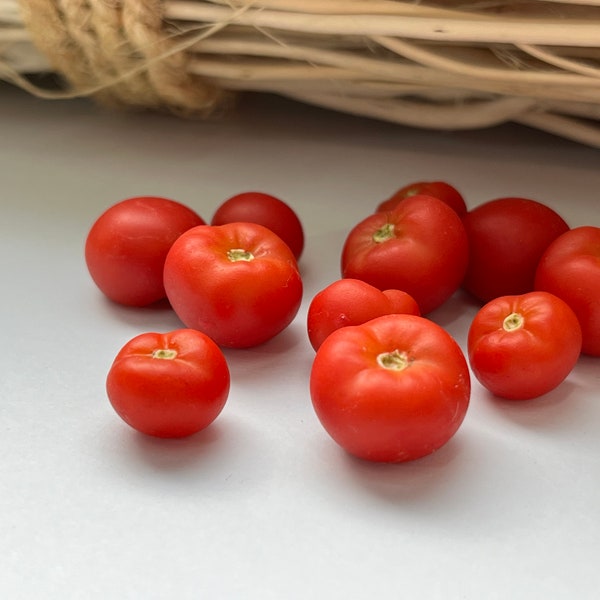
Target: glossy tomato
column 438, row 189
column 507, row 238
column 420, row 247
column 570, row 269
column 523, row 346
column 126, row 247
column 169, row 384
column 393, row 389
column 239, row 283
column 267, row 210
column 352, row 302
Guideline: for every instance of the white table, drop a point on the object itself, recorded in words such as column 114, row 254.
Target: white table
column 263, row 504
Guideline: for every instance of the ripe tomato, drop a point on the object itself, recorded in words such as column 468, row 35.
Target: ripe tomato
column 523, row 346
column 169, row 384
column 126, row 247
column 267, row 210
column 239, row 283
column 507, row 238
column 570, row 269
column 420, row 247
column 438, row 189
column 352, row 302
column 390, row 390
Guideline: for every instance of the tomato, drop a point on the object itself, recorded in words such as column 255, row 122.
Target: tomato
column 126, row 247
column 352, row 302
column 267, row 210
column 523, row 346
column 393, row 389
column 438, row 189
column 420, row 247
column 570, row 269
column 507, row 238
column 169, row 385
column 239, row 283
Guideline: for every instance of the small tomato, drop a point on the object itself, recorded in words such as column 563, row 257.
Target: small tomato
column 438, row 189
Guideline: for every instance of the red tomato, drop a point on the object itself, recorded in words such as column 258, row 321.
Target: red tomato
column 352, row 302
column 521, row 347
column 169, row 385
column 126, row 247
column 267, row 210
column 420, row 247
column 507, row 238
column 438, row 189
column 390, row 390
column 570, row 269
column 239, row 283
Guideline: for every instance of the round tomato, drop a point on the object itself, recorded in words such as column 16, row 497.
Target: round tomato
column 239, row 283
column 420, row 247
column 126, row 247
column 523, row 346
column 570, row 269
column 390, row 390
column 169, row 385
column 507, row 238
column 352, row 302
column 438, row 189
column 267, row 210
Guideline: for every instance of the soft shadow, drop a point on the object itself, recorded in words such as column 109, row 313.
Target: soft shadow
column 154, row 317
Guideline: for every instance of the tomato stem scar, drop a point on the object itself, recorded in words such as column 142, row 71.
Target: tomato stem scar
column 394, row 361
column 236, row 254
column 164, row 353
column 512, row 322
column 384, row 233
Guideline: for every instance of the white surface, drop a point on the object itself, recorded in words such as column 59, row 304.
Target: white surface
column 262, row 504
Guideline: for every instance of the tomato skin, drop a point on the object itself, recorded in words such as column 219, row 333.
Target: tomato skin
column 239, row 303
column 352, row 302
column 425, row 253
column 507, row 238
column 385, row 415
column 267, row 210
column 169, row 397
column 570, row 269
column 533, row 353
column 438, row 189
column 126, row 247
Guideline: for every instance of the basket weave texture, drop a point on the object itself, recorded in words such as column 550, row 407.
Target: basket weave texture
column 452, row 64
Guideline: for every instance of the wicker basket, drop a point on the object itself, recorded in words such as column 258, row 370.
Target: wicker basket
column 452, row 64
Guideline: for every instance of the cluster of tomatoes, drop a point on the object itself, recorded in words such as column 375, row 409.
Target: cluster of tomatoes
column 387, row 383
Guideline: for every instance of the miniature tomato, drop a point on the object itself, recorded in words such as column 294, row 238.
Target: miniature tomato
column 126, row 247
column 352, row 302
column 420, row 247
column 169, row 385
column 570, row 269
column 239, row 283
column 267, row 210
column 438, row 189
column 523, row 346
column 507, row 238
column 390, row 390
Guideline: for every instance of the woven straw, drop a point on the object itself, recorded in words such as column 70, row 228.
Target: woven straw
column 456, row 64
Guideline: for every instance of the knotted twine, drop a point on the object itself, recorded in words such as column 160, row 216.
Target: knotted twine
column 120, row 52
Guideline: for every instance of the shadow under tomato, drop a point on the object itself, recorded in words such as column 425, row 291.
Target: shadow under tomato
column 158, row 316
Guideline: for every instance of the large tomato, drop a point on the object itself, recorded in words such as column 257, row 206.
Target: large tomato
column 438, row 189
column 420, row 247
column 169, row 384
column 352, row 302
column 267, row 210
column 523, row 346
column 570, row 268
column 126, row 247
column 393, row 389
column 239, row 283
column 507, row 238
